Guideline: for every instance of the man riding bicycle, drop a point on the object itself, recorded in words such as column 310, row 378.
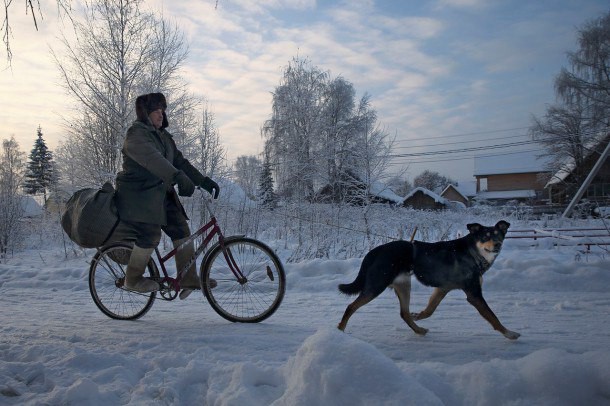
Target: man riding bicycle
column 145, row 196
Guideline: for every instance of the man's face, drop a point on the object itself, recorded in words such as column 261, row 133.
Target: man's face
column 156, row 118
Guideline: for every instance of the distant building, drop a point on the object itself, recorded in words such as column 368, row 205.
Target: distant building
column 519, row 176
column 424, row 199
column 453, row 194
column 355, row 192
column 563, row 185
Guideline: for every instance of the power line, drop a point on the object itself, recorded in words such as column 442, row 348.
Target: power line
column 458, row 158
column 458, row 142
column 467, row 134
column 541, row 140
column 471, row 149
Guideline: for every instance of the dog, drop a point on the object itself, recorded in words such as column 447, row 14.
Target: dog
column 445, row 265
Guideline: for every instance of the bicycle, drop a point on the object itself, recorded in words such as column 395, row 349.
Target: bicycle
column 249, row 277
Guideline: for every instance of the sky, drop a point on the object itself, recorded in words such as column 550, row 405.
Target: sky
column 443, row 75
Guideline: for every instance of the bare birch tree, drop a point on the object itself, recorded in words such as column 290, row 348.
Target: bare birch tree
column 120, row 52
column 32, row 7
column 370, row 149
column 247, row 174
column 210, row 157
column 318, row 137
column 587, row 80
column 581, row 117
column 12, row 167
column 338, row 130
column 567, row 134
column 295, row 127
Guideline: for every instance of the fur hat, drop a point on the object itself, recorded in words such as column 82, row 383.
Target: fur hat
column 147, row 103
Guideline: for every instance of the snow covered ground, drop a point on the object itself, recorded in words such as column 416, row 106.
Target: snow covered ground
column 57, row 348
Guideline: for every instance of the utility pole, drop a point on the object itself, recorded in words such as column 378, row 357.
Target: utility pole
column 587, row 182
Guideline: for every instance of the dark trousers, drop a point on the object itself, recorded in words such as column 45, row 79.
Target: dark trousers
column 146, row 235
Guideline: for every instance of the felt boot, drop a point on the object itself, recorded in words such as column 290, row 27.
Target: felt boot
column 134, row 274
column 190, row 281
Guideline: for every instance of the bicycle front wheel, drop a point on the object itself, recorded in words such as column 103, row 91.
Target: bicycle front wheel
column 106, row 278
column 253, row 298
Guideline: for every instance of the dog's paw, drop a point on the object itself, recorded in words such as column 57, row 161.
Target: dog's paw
column 415, row 316
column 421, row 331
column 511, row 335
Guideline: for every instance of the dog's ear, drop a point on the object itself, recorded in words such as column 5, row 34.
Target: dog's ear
column 503, row 226
column 473, row 227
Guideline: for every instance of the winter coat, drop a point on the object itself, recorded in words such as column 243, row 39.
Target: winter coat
column 151, row 160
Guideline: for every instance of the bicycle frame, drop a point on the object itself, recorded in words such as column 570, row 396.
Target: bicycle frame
column 211, row 229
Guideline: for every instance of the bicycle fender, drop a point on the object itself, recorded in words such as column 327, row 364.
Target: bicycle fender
column 216, row 244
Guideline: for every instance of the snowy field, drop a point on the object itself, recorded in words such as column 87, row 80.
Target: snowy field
column 57, row 348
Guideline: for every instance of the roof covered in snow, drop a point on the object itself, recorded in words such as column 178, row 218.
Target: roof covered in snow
column 437, row 198
column 450, row 186
column 467, row 187
column 569, row 166
column 381, row 190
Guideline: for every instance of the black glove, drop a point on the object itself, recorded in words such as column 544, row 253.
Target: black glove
column 186, row 187
column 210, row 186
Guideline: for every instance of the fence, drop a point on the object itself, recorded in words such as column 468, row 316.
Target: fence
column 585, row 237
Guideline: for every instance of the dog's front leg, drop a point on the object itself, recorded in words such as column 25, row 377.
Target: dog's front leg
column 403, row 291
column 481, row 305
column 435, row 299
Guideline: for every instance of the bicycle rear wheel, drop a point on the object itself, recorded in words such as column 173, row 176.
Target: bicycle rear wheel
column 251, row 300
column 106, row 277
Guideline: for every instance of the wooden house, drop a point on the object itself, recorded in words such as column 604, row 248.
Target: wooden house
column 519, row 176
column 564, row 183
column 424, row 199
column 453, row 194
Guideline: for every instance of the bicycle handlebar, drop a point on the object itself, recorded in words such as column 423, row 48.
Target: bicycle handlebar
column 206, row 198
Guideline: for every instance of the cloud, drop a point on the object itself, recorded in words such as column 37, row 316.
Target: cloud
column 462, row 3
column 440, row 67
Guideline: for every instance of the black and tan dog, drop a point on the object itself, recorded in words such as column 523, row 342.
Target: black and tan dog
column 445, row 265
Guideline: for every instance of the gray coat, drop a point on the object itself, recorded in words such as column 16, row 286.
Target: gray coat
column 150, row 162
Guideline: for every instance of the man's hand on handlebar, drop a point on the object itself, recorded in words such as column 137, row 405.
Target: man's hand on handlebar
column 211, row 187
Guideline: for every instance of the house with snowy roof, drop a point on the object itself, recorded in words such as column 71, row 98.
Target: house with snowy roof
column 455, row 194
column 519, row 176
column 564, row 183
column 424, row 199
column 351, row 189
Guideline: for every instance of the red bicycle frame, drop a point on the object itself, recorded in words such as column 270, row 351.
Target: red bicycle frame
column 212, row 229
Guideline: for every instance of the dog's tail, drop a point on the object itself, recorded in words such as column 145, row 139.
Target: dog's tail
column 355, row 287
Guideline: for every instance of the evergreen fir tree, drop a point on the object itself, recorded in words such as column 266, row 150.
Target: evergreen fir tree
column 265, row 189
column 40, row 173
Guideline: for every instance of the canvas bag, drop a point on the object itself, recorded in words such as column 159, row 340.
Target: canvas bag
column 91, row 216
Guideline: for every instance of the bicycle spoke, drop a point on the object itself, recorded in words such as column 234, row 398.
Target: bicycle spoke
column 105, row 284
column 258, row 295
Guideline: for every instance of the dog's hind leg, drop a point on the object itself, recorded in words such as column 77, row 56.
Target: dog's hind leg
column 403, row 291
column 435, row 299
column 360, row 301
